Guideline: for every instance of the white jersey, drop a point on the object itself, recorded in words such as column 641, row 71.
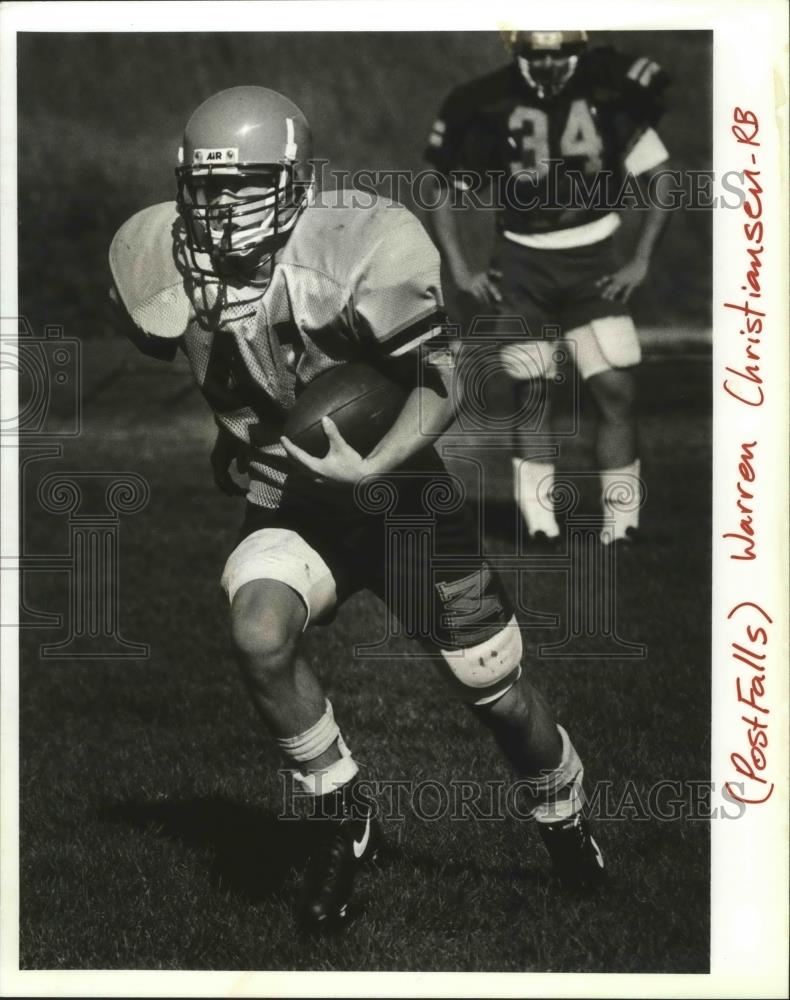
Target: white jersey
column 354, row 280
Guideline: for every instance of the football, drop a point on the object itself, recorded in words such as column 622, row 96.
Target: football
column 361, row 400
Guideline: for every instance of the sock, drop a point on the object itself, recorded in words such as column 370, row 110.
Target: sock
column 331, row 778
column 533, row 483
column 621, row 498
column 312, row 743
column 561, row 789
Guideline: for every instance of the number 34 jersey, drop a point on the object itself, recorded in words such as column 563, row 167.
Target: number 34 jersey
column 555, row 163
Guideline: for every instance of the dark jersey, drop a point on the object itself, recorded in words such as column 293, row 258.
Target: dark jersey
column 555, row 162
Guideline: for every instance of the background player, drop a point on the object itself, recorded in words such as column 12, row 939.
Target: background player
column 263, row 291
column 561, row 129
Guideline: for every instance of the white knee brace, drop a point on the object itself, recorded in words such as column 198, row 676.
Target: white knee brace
column 486, row 671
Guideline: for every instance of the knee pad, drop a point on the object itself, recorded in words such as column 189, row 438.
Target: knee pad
column 282, row 555
column 603, row 344
column 483, row 673
column 532, row 359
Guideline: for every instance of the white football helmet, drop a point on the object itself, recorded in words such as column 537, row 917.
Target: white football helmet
column 244, row 177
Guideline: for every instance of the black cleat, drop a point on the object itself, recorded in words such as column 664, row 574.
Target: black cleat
column 577, row 858
column 347, row 836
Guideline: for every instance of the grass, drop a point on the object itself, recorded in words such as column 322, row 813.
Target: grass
column 148, row 791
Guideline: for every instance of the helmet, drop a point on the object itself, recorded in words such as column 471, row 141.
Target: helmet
column 547, row 59
column 244, row 177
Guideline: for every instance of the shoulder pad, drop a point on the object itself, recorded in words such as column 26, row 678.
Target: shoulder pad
column 341, row 229
column 381, row 258
column 635, row 84
column 148, row 281
column 646, row 73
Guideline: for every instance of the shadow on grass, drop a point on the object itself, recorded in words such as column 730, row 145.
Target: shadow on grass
column 253, row 851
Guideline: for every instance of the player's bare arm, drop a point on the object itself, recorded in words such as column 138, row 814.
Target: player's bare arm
column 479, row 285
column 619, row 285
column 426, row 414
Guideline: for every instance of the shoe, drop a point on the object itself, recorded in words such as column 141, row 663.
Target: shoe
column 347, row 836
column 577, row 858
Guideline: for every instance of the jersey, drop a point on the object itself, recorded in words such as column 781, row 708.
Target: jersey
column 354, row 280
column 557, row 162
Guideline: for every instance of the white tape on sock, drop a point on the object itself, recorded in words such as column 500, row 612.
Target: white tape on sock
column 621, row 499
column 329, row 779
column 314, row 741
column 561, row 789
column 533, row 483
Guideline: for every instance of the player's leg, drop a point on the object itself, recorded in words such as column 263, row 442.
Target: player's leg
column 541, row 752
column 489, row 678
column 530, row 363
column 524, row 726
column 473, row 629
column 276, row 584
column 607, row 351
column 614, row 392
column 531, row 367
column 267, row 619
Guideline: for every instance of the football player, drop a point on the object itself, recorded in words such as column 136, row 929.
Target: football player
column 264, row 289
column 561, row 131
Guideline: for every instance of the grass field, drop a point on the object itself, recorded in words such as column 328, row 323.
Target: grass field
column 148, row 791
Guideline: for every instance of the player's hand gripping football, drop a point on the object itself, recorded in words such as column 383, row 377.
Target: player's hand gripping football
column 617, row 287
column 341, row 466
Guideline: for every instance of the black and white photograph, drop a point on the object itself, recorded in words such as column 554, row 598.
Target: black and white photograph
column 394, row 497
